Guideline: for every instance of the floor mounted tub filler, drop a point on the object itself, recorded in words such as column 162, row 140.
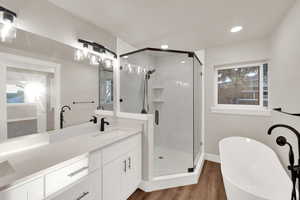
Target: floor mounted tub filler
column 252, row 171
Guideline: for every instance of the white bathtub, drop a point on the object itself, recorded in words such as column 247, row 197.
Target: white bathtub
column 252, row 171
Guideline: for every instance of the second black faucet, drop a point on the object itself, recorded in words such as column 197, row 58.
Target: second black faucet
column 102, row 124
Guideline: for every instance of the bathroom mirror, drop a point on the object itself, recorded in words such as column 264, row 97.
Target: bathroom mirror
column 39, row 76
column 106, row 97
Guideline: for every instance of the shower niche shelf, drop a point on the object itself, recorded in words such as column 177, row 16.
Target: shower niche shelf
column 158, row 88
column 158, row 101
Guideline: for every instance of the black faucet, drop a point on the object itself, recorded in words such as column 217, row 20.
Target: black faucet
column 94, row 120
column 62, row 110
column 103, row 123
column 295, row 170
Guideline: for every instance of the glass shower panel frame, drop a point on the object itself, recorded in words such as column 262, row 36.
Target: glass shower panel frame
column 172, row 101
column 198, row 76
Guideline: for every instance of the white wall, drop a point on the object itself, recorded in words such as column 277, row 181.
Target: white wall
column 219, row 126
column 43, row 18
column 283, row 52
column 123, row 47
column 285, row 77
column 132, row 84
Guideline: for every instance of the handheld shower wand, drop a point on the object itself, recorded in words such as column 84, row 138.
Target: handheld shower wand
column 145, row 108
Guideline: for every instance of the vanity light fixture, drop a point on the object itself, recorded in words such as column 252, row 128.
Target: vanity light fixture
column 95, row 53
column 8, row 31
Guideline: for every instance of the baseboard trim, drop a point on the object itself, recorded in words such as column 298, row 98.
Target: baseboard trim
column 212, row 157
column 172, row 181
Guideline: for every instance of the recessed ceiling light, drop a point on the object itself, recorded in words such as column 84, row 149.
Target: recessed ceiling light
column 236, row 29
column 164, row 46
column 183, row 62
column 125, row 57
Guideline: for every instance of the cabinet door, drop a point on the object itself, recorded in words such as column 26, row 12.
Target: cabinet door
column 132, row 178
column 19, row 193
column 112, row 176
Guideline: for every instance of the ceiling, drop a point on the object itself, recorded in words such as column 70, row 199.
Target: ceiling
column 182, row 24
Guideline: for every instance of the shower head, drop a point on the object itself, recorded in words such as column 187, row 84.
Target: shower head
column 151, row 71
column 147, row 77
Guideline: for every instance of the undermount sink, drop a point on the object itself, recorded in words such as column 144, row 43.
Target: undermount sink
column 6, row 169
column 109, row 132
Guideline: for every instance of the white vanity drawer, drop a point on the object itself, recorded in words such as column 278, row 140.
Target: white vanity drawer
column 116, row 150
column 65, row 176
column 89, row 188
column 33, row 190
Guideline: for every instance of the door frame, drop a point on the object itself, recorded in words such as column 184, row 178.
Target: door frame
column 22, row 62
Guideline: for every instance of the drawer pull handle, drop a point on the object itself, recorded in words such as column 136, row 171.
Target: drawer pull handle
column 78, row 171
column 83, row 195
column 129, row 162
column 125, row 166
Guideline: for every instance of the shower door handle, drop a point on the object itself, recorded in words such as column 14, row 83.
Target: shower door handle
column 157, row 117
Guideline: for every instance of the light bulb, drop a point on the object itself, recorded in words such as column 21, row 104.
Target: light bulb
column 8, row 31
column 164, row 46
column 78, row 55
column 140, row 70
column 236, row 29
column 94, row 60
column 108, row 63
column 85, row 52
column 130, row 70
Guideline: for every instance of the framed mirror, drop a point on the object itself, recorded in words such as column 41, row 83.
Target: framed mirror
column 39, row 76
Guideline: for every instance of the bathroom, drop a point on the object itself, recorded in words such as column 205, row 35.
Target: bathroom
column 173, row 100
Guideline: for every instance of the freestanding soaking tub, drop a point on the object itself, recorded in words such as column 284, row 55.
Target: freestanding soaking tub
column 252, row 171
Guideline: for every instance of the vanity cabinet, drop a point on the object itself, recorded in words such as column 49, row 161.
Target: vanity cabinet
column 33, row 190
column 111, row 173
column 122, row 173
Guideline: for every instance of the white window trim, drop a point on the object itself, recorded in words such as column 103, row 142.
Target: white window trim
column 259, row 110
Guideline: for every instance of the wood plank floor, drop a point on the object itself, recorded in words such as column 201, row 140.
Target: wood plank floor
column 210, row 187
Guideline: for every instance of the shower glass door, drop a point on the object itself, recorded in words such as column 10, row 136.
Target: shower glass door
column 173, row 95
column 171, row 89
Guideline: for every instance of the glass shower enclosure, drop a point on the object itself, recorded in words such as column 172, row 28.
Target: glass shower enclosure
column 167, row 84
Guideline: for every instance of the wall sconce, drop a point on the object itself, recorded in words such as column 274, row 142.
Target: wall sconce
column 95, row 53
column 8, row 31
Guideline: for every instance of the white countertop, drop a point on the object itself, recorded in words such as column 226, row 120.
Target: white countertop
column 30, row 163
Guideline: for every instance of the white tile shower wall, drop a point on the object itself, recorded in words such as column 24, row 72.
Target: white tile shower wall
column 132, row 84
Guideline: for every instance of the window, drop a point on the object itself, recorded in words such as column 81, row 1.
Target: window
column 242, row 86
